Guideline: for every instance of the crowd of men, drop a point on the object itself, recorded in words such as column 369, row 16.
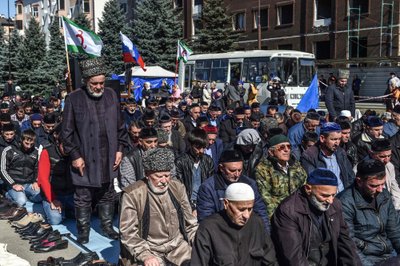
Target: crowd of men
column 205, row 177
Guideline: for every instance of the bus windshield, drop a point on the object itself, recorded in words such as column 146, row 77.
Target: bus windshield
column 293, row 71
column 306, row 71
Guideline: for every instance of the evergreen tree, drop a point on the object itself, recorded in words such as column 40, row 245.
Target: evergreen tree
column 82, row 20
column 56, row 52
column 13, row 51
column 156, row 31
column 216, row 35
column 3, row 57
column 111, row 23
column 32, row 54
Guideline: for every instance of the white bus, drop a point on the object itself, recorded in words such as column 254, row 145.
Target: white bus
column 295, row 70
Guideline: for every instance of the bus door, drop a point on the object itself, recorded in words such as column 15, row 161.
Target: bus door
column 188, row 76
column 235, row 70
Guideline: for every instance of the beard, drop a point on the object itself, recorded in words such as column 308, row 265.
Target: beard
column 95, row 94
column 158, row 190
column 321, row 206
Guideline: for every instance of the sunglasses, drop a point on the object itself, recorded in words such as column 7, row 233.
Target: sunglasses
column 283, row 147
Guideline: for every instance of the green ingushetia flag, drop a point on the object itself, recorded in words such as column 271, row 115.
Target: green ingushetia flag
column 183, row 52
column 78, row 39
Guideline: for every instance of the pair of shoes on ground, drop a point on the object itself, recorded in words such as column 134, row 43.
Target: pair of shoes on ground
column 28, row 218
column 80, row 260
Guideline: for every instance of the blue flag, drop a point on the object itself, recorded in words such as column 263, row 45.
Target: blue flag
column 310, row 99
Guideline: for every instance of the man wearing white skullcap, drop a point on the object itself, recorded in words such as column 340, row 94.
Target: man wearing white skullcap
column 234, row 236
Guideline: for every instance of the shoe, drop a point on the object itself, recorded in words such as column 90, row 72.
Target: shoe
column 25, row 228
column 83, row 224
column 40, row 237
column 29, row 231
column 41, row 231
column 21, row 212
column 12, row 212
column 51, row 261
column 53, row 236
column 30, row 217
column 106, row 214
column 50, row 246
column 100, row 263
column 80, row 259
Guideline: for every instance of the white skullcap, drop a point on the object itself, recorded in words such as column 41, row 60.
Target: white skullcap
column 345, row 113
column 239, row 192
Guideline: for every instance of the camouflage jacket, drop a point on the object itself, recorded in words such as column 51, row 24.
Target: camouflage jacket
column 274, row 184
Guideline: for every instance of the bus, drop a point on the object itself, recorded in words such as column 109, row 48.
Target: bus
column 295, row 70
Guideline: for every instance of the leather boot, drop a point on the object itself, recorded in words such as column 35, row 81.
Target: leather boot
column 106, row 214
column 83, row 224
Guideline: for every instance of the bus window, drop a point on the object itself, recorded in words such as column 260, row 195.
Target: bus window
column 219, row 70
column 306, row 71
column 188, row 76
column 286, row 70
column 202, row 70
column 236, row 69
column 256, row 70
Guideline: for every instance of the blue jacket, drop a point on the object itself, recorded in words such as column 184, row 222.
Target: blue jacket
column 216, row 150
column 375, row 231
column 212, row 192
column 296, row 132
column 390, row 129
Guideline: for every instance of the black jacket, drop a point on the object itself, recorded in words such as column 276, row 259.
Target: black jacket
column 61, row 181
column 228, row 130
column 220, row 242
column 351, row 151
column 184, row 166
column 291, row 232
column 338, row 99
column 312, row 159
column 395, row 140
column 18, row 167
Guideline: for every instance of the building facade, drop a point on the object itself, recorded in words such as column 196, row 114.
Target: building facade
column 45, row 11
column 338, row 32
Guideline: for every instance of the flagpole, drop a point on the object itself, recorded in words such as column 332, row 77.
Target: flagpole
column 176, row 63
column 69, row 80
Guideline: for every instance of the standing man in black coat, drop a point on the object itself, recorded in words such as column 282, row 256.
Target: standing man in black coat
column 94, row 136
column 340, row 96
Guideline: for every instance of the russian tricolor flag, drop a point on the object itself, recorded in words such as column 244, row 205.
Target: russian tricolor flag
column 130, row 53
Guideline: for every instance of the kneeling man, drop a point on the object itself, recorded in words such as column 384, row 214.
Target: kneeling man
column 235, row 235
column 156, row 223
column 308, row 227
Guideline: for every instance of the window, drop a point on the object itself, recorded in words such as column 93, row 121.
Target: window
column 19, row 9
column 197, row 26
column 86, row 6
column 263, row 18
column 35, row 11
column 239, row 21
column 323, row 9
column 322, row 50
column 256, row 69
column 219, row 70
column 178, row 3
column 61, row 5
column 19, row 24
column 123, row 7
column 285, row 14
column 358, row 47
column 362, row 4
column 197, row 2
column 202, row 70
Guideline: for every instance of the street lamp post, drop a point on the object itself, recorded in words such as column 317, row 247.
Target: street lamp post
column 259, row 25
column 9, row 40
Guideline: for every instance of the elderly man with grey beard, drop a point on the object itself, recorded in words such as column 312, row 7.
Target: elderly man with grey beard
column 157, row 226
column 94, row 137
column 308, row 227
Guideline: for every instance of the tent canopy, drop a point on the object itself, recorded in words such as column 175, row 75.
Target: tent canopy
column 151, row 72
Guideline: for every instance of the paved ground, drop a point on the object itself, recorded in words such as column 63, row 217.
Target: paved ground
column 104, row 247
column 20, row 247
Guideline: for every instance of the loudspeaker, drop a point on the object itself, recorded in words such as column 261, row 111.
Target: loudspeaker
column 76, row 75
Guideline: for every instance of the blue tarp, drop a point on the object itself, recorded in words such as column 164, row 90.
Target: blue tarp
column 138, row 82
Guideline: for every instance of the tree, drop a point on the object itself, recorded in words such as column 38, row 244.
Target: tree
column 82, row 20
column 216, row 34
column 156, row 31
column 13, row 51
column 3, row 56
column 56, row 53
column 32, row 54
column 110, row 24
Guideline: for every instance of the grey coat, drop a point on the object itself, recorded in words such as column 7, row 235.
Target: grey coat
column 80, row 134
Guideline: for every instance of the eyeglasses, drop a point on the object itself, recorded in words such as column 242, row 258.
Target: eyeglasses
column 283, row 147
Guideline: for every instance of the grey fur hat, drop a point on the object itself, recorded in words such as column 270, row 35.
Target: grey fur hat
column 158, row 160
